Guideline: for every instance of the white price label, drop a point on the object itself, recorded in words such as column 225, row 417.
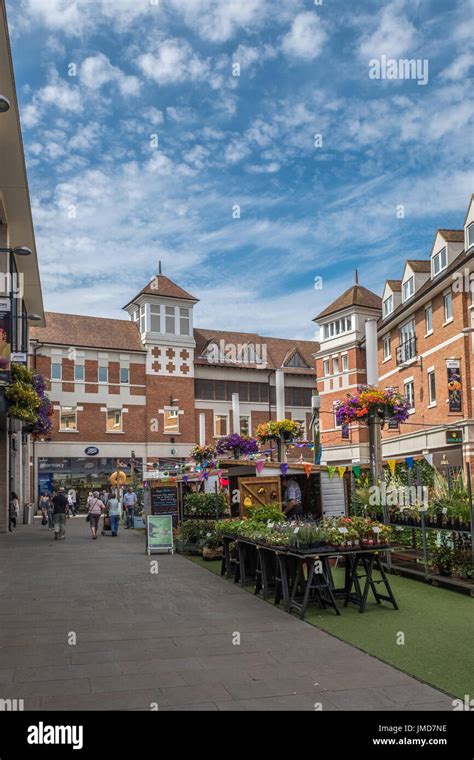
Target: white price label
column 270, row 524
column 342, row 530
column 296, row 530
column 376, row 529
column 444, row 510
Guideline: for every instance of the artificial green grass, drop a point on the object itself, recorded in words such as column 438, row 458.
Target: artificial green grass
column 438, row 627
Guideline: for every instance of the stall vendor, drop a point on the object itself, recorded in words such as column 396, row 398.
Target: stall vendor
column 292, row 506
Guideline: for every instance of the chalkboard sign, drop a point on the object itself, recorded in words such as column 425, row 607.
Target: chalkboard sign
column 164, row 500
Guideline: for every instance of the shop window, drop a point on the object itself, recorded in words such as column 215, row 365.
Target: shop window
column 79, row 371
column 124, row 375
column 103, row 374
column 245, row 424
column 56, row 371
column 68, row 418
column 114, row 421
column 171, row 422
column 448, row 306
column 220, row 425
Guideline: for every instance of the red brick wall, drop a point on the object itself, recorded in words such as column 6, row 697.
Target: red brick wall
column 159, row 391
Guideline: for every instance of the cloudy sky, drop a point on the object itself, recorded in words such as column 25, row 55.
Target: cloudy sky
column 147, row 122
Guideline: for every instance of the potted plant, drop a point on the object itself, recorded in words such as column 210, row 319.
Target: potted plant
column 385, row 402
column 237, row 444
column 203, row 454
column 443, row 558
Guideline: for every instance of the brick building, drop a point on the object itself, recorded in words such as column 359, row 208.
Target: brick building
column 425, row 339
column 156, row 385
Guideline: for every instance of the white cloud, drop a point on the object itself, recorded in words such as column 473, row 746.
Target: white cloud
column 459, row 68
column 96, row 71
column 306, row 37
column 220, row 20
column 393, row 35
column 173, row 60
column 153, row 115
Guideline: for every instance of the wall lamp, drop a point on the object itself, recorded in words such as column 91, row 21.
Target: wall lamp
column 4, row 104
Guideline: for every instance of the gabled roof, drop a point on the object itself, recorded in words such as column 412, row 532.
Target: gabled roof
column 452, row 236
column 88, row 332
column 419, row 265
column 394, row 285
column 471, row 199
column 163, row 286
column 356, row 295
column 277, row 350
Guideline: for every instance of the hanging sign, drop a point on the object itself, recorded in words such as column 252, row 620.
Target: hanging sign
column 453, row 369
column 393, row 424
column 19, row 357
column 5, row 347
column 159, row 533
column 454, row 436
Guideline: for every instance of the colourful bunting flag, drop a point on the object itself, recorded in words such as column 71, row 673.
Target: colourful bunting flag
column 341, row 470
column 409, row 462
column 307, row 468
column 284, row 468
column 429, row 459
column 260, row 465
column 185, row 478
column 392, row 463
column 201, row 476
column 331, row 471
column 356, row 470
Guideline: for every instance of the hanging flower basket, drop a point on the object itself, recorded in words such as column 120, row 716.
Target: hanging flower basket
column 236, row 444
column 28, row 401
column 203, row 454
column 285, row 430
column 385, row 402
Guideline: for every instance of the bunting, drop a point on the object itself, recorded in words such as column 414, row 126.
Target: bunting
column 331, row 471
column 392, row 463
column 429, row 459
column 260, row 465
column 356, row 470
column 341, row 470
column 284, row 468
column 409, row 462
column 307, row 468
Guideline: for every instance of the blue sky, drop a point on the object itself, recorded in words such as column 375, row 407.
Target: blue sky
column 161, row 71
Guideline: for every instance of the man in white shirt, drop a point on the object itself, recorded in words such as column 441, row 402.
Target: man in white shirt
column 129, row 501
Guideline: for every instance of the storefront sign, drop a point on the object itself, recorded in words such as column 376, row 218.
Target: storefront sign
column 19, row 357
column 164, row 500
column 454, row 436
column 393, row 424
column 159, row 533
column 91, row 451
column 5, row 347
column 454, row 385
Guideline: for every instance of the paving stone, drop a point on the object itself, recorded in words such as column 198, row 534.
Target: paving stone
column 136, row 682
column 61, row 672
column 120, row 700
column 178, row 664
column 47, row 688
column 412, row 693
column 200, row 707
column 186, row 695
column 358, row 699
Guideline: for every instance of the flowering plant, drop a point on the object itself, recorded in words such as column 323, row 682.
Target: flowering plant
column 279, row 429
column 235, row 441
column 28, row 401
column 203, row 453
column 387, row 402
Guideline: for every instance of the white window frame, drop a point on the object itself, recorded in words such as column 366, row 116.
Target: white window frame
column 142, row 320
column 326, row 367
column 428, row 309
column 388, row 302
column 115, row 428
column 72, row 414
column 411, row 282
column 249, row 426
column 437, row 261
column 99, row 381
column 470, row 235
column 448, row 294
column 155, row 312
column 57, row 364
column 174, row 415
column 410, row 382
column 226, row 417
column 185, row 318
column 335, row 365
column 387, row 340
column 344, row 364
column 431, row 374
column 127, row 381
column 170, row 316
column 79, row 379
column 325, row 332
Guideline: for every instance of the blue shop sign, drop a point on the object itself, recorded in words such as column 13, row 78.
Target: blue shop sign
column 91, row 451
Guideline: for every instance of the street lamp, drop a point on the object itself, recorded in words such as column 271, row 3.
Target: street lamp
column 4, row 104
column 20, row 250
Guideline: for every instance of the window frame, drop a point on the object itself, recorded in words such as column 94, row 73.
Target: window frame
column 406, row 384
column 386, row 311
column 99, row 381
column 83, row 368
column 326, row 364
column 387, row 339
column 173, row 414
column 113, row 429
column 155, row 313
column 448, row 294
column 429, row 309
column 431, row 376
column 410, row 280
column 127, row 370
column 344, row 363
column 221, row 416
column 72, row 414
column 469, row 234
column 168, row 316
column 438, row 257
column 57, row 364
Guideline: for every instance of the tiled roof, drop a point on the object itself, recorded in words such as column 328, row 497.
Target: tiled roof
column 274, row 350
column 356, row 295
column 452, row 236
column 163, row 286
column 89, row 332
column 419, row 265
column 394, row 284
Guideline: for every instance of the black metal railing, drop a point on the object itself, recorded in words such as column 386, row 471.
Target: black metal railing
column 406, row 350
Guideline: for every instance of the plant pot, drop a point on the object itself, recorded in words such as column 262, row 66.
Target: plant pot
column 236, row 451
column 286, row 436
column 211, row 554
column 444, row 572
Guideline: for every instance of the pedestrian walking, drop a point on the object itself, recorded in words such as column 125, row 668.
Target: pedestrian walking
column 95, row 507
column 60, row 512
column 115, row 510
column 72, row 501
column 129, row 501
column 14, row 511
column 44, row 503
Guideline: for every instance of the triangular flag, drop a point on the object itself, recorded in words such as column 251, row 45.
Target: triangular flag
column 284, row 468
column 429, row 459
column 201, row 476
column 307, row 468
column 409, row 461
column 260, row 465
column 341, row 470
column 331, row 471
column 185, row 478
column 206, row 476
column 224, row 482
column 392, row 463
column 356, row 470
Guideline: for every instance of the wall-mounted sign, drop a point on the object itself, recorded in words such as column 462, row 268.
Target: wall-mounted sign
column 5, row 304
column 393, row 424
column 454, row 436
column 453, row 368
column 5, row 346
column 19, row 357
column 159, row 533
column 91, row 451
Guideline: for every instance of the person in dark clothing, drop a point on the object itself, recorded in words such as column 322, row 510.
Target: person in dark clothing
column 14, row 511
column 60, row 512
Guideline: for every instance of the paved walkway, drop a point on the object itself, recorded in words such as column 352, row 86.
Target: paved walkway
column 143, row 638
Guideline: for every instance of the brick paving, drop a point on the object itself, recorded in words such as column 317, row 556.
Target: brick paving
column 144, row 639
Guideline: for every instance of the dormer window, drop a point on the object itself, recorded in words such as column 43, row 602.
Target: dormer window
column 142, row 318
column 470, row 235
column 439, row 261
column 388, row 306
column 408, row 288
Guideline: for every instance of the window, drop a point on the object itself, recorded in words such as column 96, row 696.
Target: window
column 439, row 261
column 429, row 319
column 470, row 235
column 135, row 315
column 407, row 348
column 142, row 319
column 326, row 368
column 220, row 425
column 170, row 320
column 325, row 331
column 155, row 320
column 335, row 365
column 103, row 374
column 245, row 425
column 410, row 393
column 171, row 423
column 345, row 362
column 303, row 427
column 56, row 371
column 387, row 347
column 338, row 327
column 124, row 375
column 67, row 418
column 408, row 288
column 336, row 423
column 296, row 361
column 79, row 373
column 184, row 322
column 114, row 420
column 432, row 386
column 448, row 306
column 388, row 306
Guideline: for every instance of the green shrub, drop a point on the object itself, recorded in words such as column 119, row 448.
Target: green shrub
column 205, row 504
